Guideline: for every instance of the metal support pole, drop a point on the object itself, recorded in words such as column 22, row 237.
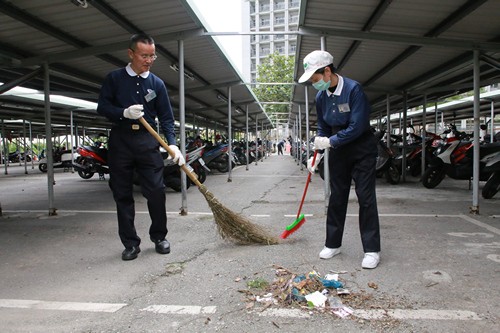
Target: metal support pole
column 474, row 209
column 230, row 136
column 423, row 136
column 72, row 135
column 492, row 122
column 405, row 132
column 247, row 136
column 300, row 139
column 256, row 139
column 24, row 148
column 297, row 143
column 48, row 136
column 182, row 121
column 388, row 115
column 307, row 123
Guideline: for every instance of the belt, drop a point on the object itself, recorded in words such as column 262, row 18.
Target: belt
column 130, row 126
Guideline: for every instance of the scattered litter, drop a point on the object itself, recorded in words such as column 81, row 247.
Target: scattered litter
column 335, row 302
column 343, row 291
column 318, row 294
column 343, row 312
column 267, row 298
column 316, row 299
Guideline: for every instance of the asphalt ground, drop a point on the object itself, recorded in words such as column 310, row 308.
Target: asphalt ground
column 439, row 269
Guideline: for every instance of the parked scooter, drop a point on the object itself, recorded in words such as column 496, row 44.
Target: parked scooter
column 386, row 164
column 455, row 160
column 218, row 157
column 491, row 164
column 91, row 160
column 62, row 158
column 195, row 160
column 414, row 154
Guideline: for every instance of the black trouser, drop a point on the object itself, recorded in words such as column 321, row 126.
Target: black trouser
column 354, row 161
column 131, row 150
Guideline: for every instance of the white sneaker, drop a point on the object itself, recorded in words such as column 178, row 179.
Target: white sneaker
column 370, row 260
column 328, row 253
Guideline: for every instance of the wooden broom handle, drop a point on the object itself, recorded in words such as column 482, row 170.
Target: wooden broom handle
column 162, row 142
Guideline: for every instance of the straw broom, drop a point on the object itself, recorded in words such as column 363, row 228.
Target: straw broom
column 230, row 225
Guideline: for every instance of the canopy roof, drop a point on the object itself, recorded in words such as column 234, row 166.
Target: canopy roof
column 84, row 40
column 421, row 48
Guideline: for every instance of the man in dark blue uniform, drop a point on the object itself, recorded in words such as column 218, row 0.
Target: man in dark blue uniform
column 344, row 127
column 128, row 94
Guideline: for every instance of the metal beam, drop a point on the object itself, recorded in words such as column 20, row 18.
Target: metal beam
column 14, row 83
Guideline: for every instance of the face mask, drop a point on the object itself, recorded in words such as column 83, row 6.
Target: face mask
column 322, row 85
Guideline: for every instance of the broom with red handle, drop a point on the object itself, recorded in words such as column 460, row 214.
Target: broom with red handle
column 301, row 219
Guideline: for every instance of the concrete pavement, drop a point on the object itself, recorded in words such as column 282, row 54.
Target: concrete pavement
column 439, row 270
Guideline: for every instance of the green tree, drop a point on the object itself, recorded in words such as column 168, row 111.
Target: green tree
column 275, row 68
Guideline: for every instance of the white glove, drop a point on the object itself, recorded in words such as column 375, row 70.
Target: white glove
column 178, row 158
column 133, row 111
column 312, row 168
column 321, row 142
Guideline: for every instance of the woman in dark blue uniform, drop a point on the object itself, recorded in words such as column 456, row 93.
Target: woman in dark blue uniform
column 128, row 94
column 344, row 126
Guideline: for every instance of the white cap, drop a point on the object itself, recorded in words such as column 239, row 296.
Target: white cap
column 314, row 61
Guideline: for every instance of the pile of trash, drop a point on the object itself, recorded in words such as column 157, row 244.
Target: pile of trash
column 309, row 291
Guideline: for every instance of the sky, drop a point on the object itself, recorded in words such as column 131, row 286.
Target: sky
column 224, row 16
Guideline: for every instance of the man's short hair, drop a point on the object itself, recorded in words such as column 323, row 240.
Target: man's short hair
column 140, row 38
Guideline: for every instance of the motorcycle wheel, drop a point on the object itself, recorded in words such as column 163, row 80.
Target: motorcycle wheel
column 42, row 167
column 85, row 174
column 492, row 186
column 177, row 186
column 392, row 174
column 433, row 176
column 202, row 175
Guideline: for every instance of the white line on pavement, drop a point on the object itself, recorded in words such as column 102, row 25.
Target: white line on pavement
column 418, row 314
column 181, row 309
column 381, row 314
column 481, row 224
column 69, row 306
column 403, row 314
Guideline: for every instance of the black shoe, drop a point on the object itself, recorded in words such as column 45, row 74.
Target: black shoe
column 162, row 246
column 130, row 253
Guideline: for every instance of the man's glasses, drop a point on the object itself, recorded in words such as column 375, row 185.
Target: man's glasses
column 147, row 56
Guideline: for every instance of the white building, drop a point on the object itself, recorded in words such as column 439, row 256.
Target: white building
column 272, row 16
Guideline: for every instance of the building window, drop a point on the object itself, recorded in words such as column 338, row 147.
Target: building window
column 279, row 5
column 294, row 4
column 280, row 48
column 264, row 6
column 279, row 19
column 264, row 51
column 264, row 21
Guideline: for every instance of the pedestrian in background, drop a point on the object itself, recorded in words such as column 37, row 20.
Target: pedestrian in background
column 344, row 127
column 281, row 144
column 128, row 94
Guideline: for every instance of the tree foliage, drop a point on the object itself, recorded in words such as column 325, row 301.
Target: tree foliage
column 275, row 68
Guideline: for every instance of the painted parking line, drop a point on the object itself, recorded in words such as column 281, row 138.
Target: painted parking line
column 193, row 310
column 402, row 314
column 67, row 306
column 181, row 309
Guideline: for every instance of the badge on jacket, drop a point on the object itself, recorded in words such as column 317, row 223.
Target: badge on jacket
column 150, row 96
column 344, row 108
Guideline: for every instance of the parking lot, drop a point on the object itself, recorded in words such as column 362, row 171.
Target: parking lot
column 439, row 267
